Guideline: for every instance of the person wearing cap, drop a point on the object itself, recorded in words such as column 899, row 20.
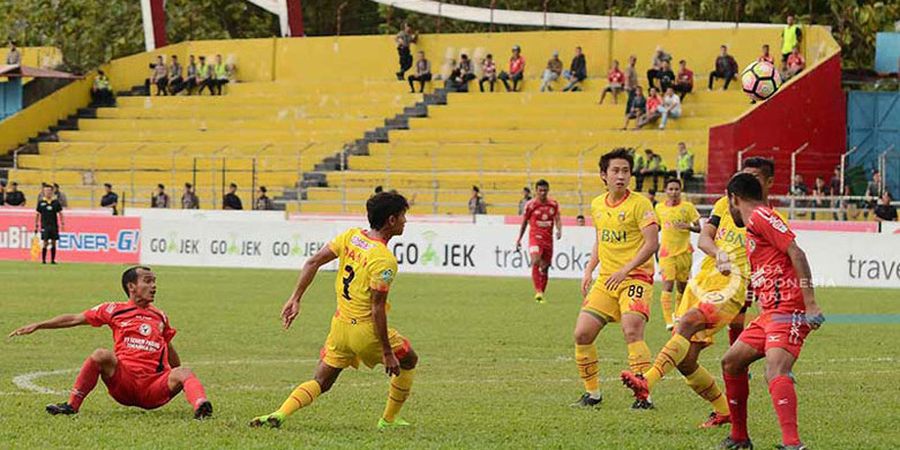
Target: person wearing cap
column 516, row 70
column 552, row 72
column 577, row 71
column 110, row 199
column 15, row 197
column 101, row 94
column 231, row 200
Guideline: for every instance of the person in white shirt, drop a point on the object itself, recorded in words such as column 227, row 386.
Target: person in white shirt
column 670, row 107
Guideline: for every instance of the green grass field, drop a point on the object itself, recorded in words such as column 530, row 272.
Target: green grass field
column 496, row 369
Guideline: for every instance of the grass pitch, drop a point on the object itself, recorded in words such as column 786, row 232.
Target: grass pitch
column 496, row 369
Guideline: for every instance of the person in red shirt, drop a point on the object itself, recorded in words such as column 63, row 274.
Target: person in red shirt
column 765, row 57
column 794, row 65
column 516, row 70
column 684, row 82
column 651, row 114
column 616, row 84
column 144, row 369
column 542, row 214
column 782, row 284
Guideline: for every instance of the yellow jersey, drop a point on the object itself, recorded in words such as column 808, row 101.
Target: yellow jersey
column 675, row 241
column 365, row 265
column 619, row 233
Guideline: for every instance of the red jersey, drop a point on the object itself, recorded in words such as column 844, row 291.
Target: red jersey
column 142, row 335
column 773, row 278
column 686, row 76
column 541, row 217
column 616, row 76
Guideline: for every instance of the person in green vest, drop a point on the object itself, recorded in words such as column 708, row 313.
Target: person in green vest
column 684, row 163
column 791, row 36
column 206, row 76
column 101, row 94
column 220, row 74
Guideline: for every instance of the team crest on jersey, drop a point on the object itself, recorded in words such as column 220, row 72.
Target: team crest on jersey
column 621, row 216
column 387, row 275
column 144, row 329
column 543, row 217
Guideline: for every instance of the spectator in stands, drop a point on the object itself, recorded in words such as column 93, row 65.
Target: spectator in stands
column 476, row 202
column 820, row 195
column 189, row 198
column 885, row 211
column 516, row 70
column 110, row 199
column 488, row 72
column 834, row 184
column 639, row 164
column 726, row 69
column 684, row 81
column 206, row 77
column 684, row 163
column 158, row 76
column 652, row 111
column 2, row 192
column 873, row 189
column 14, row 57
column 220, row 72
column 799, row 189
column 659, row 58
column 231, row 200
column 638, row 107
column 60, row 196
column 579, row 220
column 654, row 169
column 176, row 80
column 404, row 38
column 379, row 189
column 794, row 65
column 263, row 202
column 422, row 75
column 462, row 74
column 101, row 93
column 631, row 82
column 15, row 197
column 526, row 197
column 159, row 199
column 577, row 71
column 670, row 107
column 616, row 83
column 551, row 73
column 665, row 76
column 190, row 80
column 765, row 57
column 791, row 36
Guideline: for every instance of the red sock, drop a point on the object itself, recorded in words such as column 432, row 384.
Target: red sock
column 545, row 276
column 84, row 383
column 193, row 391
column 536, row 278
column 784, row 399
column 737, row 389
column 733, row 334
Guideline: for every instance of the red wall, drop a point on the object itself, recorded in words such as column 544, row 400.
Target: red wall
column 812, row 109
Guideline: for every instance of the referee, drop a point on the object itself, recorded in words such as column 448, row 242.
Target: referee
column 50, row 217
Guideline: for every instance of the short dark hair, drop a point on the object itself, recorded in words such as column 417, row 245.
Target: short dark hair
column 617, row 153
column 745, row 187
column 682, row 62
column 107, row 185
column 489, row 56
column 382, row 206
column 651, row 192
column 542, row 182
column 188, row 185
column 161, row 186
column 527, row 189
column 580, row 216
column 263, row 189
column 130, row 275
column 379, row 189
column 765, row 165
column 672, row 180
column 56, row 185
column 475, row 188
column 232, row 185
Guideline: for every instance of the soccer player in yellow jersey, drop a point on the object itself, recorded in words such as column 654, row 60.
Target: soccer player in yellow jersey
column 359, row 330
column 627, row 238
column 715, row 297
column 677, row 219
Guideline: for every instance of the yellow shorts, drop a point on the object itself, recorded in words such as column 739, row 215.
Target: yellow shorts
column 676, row 268
column 349, row 343
column 718, row 297
column 632, row 296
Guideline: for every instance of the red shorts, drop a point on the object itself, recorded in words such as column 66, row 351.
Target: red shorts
column 147, row 391
column 777, row 329
column 540, row 247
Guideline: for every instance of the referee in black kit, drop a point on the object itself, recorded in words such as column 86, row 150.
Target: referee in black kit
column 50, row 217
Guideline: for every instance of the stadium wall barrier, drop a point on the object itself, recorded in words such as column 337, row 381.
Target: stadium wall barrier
column 85, row 238
column 16, row 129
column 864, row 259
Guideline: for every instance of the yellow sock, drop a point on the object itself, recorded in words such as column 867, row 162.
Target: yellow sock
column 638, row 356
column 705, row 386
column 670, row 356
column 398, row 393
column 678, row 296
column 302, row 397
column 588, row 367
column 665, row 300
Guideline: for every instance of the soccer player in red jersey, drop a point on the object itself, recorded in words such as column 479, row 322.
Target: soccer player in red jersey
column 541, row 214
column 144, row 370
column 782, row 284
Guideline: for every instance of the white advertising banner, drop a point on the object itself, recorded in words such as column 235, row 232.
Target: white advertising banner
column 836, row 258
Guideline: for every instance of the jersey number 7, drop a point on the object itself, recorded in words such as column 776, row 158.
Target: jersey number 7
column 347, row 280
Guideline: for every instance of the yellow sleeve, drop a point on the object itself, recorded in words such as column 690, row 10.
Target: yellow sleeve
column 643, row 211
column 720, row 209
column 337, row 244
column 693, row 214
column 382, row 270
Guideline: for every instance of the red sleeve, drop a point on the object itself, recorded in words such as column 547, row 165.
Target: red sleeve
column 529, row 209
column 772, row 229
column 100, row 315
column 169, row 332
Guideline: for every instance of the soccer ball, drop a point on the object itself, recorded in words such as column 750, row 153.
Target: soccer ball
column 760, row 80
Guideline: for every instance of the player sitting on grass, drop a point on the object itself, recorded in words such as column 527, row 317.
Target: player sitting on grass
column 715, row 297
column 627, row 238
column 678, row 218
column 144, row 370
column 359, row 330
column 542, row 214
column 782, row 285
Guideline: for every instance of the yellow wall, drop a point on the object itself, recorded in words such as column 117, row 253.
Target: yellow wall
column 16, row 129
column 46, row 57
